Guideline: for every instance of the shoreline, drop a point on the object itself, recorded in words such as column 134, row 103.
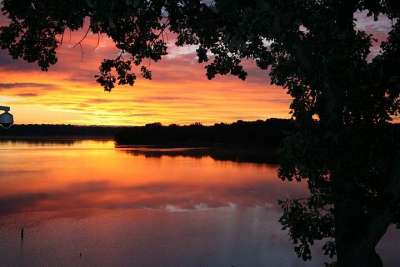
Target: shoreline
column 50, row 138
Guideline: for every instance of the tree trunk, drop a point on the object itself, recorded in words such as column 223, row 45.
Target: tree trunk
column 357, row 235
column 357, row 253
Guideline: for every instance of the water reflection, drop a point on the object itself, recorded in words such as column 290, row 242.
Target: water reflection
column 183, row 179
column 89, row 204
column 234, row 154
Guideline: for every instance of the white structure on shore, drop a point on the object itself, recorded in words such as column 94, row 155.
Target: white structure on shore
column 6, row 118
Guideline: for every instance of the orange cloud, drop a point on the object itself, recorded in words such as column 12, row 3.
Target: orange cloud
column 179, row 92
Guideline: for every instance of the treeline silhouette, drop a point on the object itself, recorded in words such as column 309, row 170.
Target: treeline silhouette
column 260, row 134
column 268, row 133
column 22, row 131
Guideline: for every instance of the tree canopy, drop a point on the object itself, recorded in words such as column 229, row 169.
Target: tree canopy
column 343, row 96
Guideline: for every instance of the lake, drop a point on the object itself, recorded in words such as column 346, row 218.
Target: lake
column 88, row 203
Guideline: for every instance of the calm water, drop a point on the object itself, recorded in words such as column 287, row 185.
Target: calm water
column 90, row 204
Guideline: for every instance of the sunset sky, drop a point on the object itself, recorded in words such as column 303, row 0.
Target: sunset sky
column 179, row 92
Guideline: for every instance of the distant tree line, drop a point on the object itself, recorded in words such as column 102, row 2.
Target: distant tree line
column 47, row 130
column 268, row 133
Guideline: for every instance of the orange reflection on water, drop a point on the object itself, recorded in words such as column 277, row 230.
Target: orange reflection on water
column 95, row 175
column 90, row 204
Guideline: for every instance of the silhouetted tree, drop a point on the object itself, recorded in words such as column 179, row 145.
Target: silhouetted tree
column 343, row 97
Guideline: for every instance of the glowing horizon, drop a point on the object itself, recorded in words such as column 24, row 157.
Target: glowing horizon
column 179, row 92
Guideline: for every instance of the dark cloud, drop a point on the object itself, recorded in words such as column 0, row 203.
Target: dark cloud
column 143, row 114
column 25, row 85
column 167, row 98
column 27, row 94
column 7, row 63
column 99, row 101
column 105, row 101
column 146, row 99
column 162, row 98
